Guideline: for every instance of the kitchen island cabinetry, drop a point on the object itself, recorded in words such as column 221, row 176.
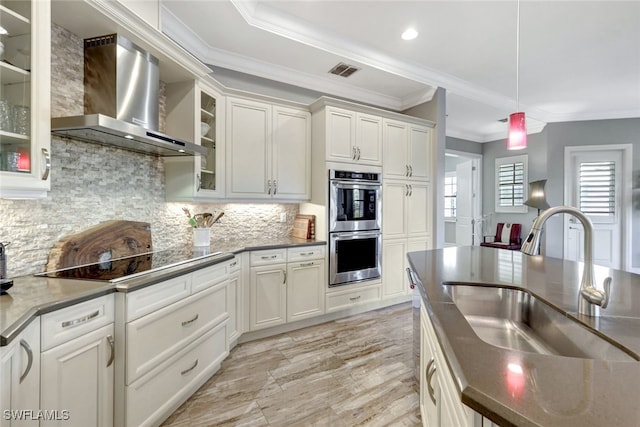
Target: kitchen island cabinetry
column 20, row 377
column 25, row 107
column 268, row 151
column 198, row 178
column 78, row 353
column 281, row 291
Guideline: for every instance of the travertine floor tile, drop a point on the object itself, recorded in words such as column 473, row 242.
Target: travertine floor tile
column 356, row 371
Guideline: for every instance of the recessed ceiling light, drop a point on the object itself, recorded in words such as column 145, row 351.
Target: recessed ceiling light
column 409, row 34
column 129, row 136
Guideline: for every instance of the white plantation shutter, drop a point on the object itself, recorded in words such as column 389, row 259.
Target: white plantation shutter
column 597, row 188
column 511, row 184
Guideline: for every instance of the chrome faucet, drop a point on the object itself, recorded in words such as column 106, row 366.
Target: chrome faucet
column 589, row 294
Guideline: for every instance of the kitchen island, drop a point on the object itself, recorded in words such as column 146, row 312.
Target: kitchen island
column 546, row 390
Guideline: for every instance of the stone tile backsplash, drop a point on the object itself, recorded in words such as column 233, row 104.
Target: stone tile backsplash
column 91, row 183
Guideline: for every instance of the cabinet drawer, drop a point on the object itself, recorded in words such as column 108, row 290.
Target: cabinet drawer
column 153, row 297
column 68, row 323
column 270, row 256
column 341, row 300
column 234, row 265
column 304, row 253
column 163, row 389
column 208, row 277
column 153, row 338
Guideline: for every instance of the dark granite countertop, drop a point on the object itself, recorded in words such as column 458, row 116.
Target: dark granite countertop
column 557, row 391
column 32, row 296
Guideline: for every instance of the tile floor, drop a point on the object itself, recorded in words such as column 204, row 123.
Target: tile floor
column 355, row 371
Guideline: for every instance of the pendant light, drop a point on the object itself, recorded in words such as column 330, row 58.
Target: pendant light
column 517, row 139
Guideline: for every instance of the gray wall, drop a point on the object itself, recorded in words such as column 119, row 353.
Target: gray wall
column 464, row 145
column 546, row 161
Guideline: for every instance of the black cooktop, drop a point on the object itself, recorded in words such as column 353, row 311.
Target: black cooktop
column 115, row 270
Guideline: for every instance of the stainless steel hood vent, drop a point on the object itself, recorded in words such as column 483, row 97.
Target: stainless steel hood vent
column 121, row 86
column 101, row 129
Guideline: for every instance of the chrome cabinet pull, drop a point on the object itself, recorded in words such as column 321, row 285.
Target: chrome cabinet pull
column 431, row 369
column 306, row 264
column 86, row 318
column 410, row 170
column 188, row 322
column 410, row 190
column 186, row 371
column 27, row 348
column 353, row 153
column 269, row 186
column 269, row 257
column 275, row 187
column 233, row 264
column 284, row 273
column 47, row 164
column 406, row 190
column 406, row 173
column 358, row 153
column 306, row 253
column 112, row 356
column 355, row 298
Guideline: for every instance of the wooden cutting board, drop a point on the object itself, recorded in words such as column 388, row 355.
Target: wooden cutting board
column 109, row 239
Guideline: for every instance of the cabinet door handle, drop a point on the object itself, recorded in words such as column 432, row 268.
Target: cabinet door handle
column 355, row 298
column 199, row 182
column 306, row 253
column 410, row 170
column 186, row 371
column 353, row 153
column 269, row 257
column 275, row 187
column 431, row 369
column 27, row 348
column 269, row 186
column 47, row 164
column 306, row 264
column 112, row 356
column 406, row 173
column 406, row 190
column 284, row 274
column 358, row 153
column 86, row 318
column 188, row 322
column 233, row 264
column 410, row 190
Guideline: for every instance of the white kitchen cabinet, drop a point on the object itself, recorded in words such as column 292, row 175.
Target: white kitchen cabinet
column 25, row 106
column 20, row 377
column 440, row 404
column 268, row 296
column 394, row 264
column 345, row 297
column 353, row 137
column 268, row 151
column 286, row 285
column 197, row 178
column 305, row 289
column 407, row 151
column 175, row 337
column 406, row 209
column 234, row 303
column 78, row 377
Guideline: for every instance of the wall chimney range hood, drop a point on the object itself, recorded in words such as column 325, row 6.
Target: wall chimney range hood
column 121, row 86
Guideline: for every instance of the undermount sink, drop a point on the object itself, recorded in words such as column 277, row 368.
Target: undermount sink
column 516, row 320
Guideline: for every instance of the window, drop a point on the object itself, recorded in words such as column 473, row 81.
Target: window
column 597, row 188
column 511, row 176
column 450, row 184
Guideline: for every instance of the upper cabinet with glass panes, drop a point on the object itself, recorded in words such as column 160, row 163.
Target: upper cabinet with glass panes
column 24, row 98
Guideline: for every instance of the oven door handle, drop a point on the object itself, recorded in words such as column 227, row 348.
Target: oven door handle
column 356, row 185
column 352, row 235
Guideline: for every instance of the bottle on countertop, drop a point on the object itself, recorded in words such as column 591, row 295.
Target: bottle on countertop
column 3, row 260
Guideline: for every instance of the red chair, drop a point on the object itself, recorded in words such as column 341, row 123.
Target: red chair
column 514, row 242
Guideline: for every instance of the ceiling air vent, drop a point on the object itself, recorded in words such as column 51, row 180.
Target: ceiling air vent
column 505, row 120
column 343, row 70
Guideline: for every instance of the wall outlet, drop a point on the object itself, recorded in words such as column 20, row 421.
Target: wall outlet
column 283, row 217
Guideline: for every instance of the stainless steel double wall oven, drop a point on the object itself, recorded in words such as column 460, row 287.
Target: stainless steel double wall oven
column 355, row 239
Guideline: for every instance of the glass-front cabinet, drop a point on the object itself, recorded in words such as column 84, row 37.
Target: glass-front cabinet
column 25, row 138
column 201, row 177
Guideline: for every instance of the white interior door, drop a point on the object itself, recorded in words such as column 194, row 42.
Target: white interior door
column 593, row 182
column 464, row 204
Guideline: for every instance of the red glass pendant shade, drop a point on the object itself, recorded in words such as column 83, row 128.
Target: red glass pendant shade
column 517, row 139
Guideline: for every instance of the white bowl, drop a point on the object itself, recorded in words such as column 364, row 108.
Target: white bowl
column 204, row 128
